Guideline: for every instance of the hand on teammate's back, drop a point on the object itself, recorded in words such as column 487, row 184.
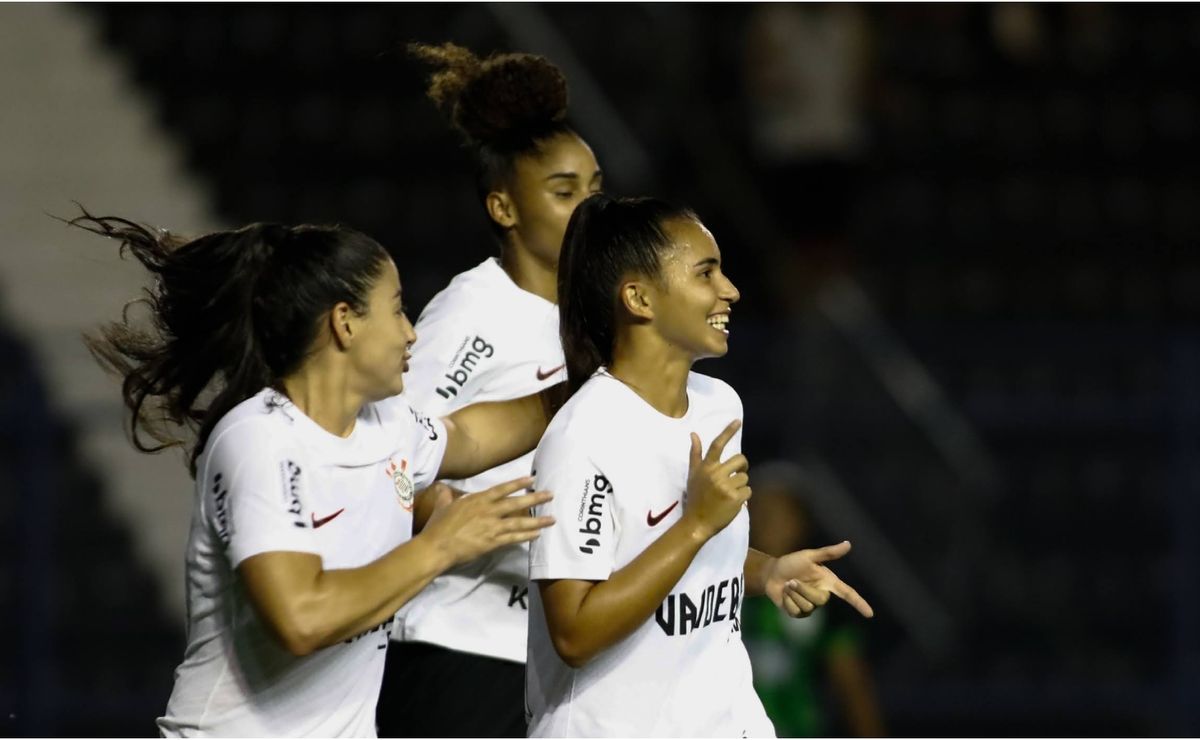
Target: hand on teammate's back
column 716, row 489
column 474, row 525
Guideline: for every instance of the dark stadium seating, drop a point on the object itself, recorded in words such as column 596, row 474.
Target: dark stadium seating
column 1025, row 225
column 91, row 653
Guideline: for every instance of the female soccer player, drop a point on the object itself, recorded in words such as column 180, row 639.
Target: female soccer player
column 491, row 335
column 287, row 347
column 636, row 599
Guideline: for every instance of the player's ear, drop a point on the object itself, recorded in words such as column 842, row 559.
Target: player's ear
column 342, row 324
column 635, row 297
column 500, row 208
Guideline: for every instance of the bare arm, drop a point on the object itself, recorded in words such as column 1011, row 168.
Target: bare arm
column 483, row 435
column 585, row 617
column 308, row 607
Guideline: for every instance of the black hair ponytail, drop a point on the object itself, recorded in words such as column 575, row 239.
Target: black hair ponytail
column 231, row 312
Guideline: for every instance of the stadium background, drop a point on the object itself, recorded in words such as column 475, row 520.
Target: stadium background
column 965, row 238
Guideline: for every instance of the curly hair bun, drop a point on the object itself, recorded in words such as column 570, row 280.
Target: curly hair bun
column 506, row 100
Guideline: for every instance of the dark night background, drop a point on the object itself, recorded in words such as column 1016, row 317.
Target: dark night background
column 965, row 237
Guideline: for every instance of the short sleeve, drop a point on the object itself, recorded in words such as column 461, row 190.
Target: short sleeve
column 582, row 542
column 421, row 436
column 429, row 435
column 450, row 361
column 257, row 497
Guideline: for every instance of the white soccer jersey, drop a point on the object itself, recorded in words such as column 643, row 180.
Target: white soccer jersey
column 271, row 479
column 618, row 469
column 482, row 338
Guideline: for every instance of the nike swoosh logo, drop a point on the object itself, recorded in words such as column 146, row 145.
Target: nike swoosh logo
column 325, row 519
column 543, row 375
column 652, row 520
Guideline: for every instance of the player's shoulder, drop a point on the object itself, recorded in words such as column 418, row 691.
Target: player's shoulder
column 467, row 294
column 592, row 412
column 253, row 428
column 470, row 315
column 712, row 391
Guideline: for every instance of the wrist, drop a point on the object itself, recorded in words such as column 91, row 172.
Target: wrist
column 764, row 575
column 695, row 529
column 760, row 568
column 435, row 551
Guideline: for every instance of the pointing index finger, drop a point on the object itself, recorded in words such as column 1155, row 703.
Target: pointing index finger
column 851, row 597
column 718, row 444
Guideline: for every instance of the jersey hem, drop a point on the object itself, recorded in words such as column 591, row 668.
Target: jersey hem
column 453, row 641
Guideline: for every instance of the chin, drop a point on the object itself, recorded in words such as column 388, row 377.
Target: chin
column 710, row 353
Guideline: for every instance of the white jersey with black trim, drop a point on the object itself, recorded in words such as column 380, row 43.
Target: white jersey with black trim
column 618, row 469
column 482, row 338
column 271, row 479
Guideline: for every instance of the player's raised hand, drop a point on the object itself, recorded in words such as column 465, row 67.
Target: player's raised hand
column 716, row 489
column 798, row 583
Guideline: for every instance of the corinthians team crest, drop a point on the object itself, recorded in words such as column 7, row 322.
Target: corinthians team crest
column 402, row 481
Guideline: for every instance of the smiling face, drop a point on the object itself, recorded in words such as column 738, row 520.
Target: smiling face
column 692, row 304
column 382, row 336
column 544, row 191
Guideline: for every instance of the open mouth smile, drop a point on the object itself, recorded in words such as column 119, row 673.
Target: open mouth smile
column 720, row 322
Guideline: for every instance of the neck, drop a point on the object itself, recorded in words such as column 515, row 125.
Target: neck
column 321, row 390
column 530, row 273
column 654, row 370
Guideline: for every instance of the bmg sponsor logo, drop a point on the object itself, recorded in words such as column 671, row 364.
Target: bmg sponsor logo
column 472, row 351
column 291, row 494
column 591, row 512
column 220, row 491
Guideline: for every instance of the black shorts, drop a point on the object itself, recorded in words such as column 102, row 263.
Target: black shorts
column 429, row 691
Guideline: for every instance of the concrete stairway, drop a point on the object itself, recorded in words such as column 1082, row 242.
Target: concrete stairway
column 73, row 127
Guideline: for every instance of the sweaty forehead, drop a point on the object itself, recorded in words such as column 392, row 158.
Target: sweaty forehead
column 692, row 242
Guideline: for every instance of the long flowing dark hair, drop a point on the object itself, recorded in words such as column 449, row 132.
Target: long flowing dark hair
column 231, row 312
column 607, row 239
column 505, row 107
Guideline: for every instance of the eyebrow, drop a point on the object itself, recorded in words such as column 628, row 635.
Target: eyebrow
column 708, row 262
column 572, row 175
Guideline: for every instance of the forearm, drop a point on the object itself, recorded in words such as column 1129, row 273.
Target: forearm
column 356, row 599
column 484, row 435
column 758, row 565
column 611, row 610
column 309, row 608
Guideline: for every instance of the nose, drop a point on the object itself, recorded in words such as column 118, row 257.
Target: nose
column 729, row 292
column 410, row 331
